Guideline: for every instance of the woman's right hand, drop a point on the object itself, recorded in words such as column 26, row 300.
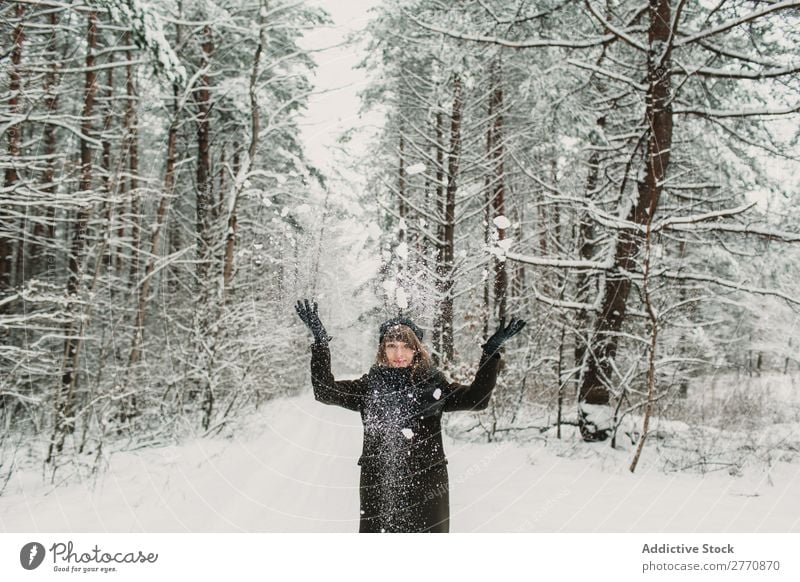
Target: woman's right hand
column 308, row 314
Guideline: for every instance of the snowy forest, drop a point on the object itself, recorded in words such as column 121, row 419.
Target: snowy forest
column 624, row 174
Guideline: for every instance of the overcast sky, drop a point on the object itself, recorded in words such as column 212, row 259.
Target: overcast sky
column 334, row 106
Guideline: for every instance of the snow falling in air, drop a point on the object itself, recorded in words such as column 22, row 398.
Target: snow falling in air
column 407, row 432
column 417, row 168
column 402, row 250
column 396, row 293
column 501, row 221
column 437, row 393
column 400, row 298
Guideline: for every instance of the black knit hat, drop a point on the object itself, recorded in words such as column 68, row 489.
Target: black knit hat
column 395, row 321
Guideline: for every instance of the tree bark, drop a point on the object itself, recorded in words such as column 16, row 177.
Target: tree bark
column 658, row 122
column 132, row 134
column 586, row 250
column 161, row 214
column 64, row 423
column 105, row 164
column 438, row 323
column 498, row 191
column 44, row 231
column 13, row 136
column 401, row 186
column 454, row 159
column 203, row 173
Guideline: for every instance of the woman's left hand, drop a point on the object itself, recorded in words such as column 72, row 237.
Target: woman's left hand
column 502, row 334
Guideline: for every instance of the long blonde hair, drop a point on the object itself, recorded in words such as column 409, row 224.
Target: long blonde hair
column 421, row 364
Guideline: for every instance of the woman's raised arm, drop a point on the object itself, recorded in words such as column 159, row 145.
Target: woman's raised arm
column 346, row 393
column 476, row 395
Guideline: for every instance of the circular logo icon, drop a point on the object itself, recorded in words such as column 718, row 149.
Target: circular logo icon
column 31, row 555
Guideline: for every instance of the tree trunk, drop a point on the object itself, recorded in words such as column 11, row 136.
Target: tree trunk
column 401, row 187
column 203, row 173
column 13, row 137
column 658, row 121
column 105, row 163
column 454, row 158
column 132, row 133
column 44, row 231
column 64, row 423
column 586, row 250
column 438, row 323
column 161, row 214
column 487, row 217
column 498, row 191
column 230, row 236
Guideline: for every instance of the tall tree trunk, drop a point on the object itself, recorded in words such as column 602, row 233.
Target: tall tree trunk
column 401, row 186
column 161, row 214
column 658, row 121
column 518, row 269
column 438, row 323
column 487, row 215
column 230, row 236
column 13, row 137
column 586, row 250
column 64, row 422
column 105, row 164
column 255, row 131
column 498, row 190
column 203, row 174
column 132, row 133
column 453, row 161
column 44, row 230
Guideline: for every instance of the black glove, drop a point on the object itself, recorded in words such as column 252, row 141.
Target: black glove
column 493, row 344
column 308, row 313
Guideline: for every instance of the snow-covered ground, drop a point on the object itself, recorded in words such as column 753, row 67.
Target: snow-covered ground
column 292, row 468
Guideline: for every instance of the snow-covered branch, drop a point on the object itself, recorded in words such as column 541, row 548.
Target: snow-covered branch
column 778, row 6
column 744, row 112
column 560, row 263
column 536, row 43
column 615, row 30
column 686, row 276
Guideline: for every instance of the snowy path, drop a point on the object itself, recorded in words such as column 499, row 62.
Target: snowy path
column 293, row 470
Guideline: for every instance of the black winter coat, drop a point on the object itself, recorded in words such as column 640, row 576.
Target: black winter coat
column 404, row 485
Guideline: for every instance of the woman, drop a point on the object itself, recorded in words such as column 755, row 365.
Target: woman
column 404, row 485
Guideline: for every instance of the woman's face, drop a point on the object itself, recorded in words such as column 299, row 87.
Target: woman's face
column 398, row 354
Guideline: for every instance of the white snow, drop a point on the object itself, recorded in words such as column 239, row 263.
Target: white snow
column 600, row 416
column 402, row 250
column 501, row 222
column 292, row 468
column 437, row 394
column 400, row 298
column 505, row 244
column 407, row 432
column 417, row 168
